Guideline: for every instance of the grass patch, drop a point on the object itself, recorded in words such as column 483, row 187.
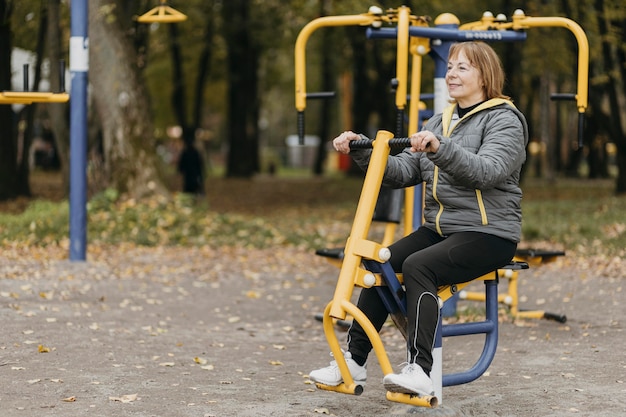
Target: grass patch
column 584, row 217
column 580, row 217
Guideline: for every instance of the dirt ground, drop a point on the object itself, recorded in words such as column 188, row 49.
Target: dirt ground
column 198, row 332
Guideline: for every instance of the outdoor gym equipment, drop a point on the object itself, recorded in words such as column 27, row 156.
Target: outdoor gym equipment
column 363, row 261
column 79, row 70
column 511, row 298
column 30, row 97
column 162, row 14
column 365, row 265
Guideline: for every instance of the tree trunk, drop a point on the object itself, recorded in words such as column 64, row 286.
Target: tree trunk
column 621, row 142
column 130, row 159
column 204, row 65
column 611, row 88
column 179, row 102
column 58, row 112
column 243, row 96
column 328, row 84
column 8, row 148
column 28, row 112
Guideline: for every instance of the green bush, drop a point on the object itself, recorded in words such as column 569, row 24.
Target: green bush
column 581, row 217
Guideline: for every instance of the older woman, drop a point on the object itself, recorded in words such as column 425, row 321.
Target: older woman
column 470, row 158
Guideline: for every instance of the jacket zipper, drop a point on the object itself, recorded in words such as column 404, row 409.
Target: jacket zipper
column 440, row 212
column 447, row 118
column 481, row 207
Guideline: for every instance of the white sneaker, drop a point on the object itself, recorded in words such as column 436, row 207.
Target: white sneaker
column 411, row 380
column 332, row 376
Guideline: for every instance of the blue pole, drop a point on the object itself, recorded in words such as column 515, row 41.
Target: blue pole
column 79, row 67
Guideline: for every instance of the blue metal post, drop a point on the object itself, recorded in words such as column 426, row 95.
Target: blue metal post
column 489, row 327
column 79, row 67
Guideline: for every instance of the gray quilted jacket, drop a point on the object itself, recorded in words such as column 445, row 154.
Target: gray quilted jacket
column 472, row 182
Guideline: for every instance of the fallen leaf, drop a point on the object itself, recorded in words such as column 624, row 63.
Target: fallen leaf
column 43, row 349
column 128, row 398
column 253, row 294
column 200, row 361
column 69, row 399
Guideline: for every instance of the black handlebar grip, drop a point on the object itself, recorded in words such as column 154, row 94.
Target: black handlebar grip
column 62, row 76
column 581, row 116
column 361, row 144
column 581, row 129
column 563, row 96
column 399, row 122
column 300, row 126
column 556, row 317
column 368, row 143
column 400, row 143
column 321, row 94
column 26, row 87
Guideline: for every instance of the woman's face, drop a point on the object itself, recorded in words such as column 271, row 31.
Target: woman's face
column 464, row 81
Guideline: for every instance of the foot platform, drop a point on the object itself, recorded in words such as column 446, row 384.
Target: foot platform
column 354, row 389
column 429, row 401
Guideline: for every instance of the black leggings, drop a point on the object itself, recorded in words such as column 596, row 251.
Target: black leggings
column 428, row 261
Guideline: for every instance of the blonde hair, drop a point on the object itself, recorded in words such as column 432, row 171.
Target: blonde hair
column 484, row 58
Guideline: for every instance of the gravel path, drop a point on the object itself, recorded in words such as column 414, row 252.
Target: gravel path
column 199, row 332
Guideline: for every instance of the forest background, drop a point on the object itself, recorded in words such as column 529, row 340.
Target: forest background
column 226, row 77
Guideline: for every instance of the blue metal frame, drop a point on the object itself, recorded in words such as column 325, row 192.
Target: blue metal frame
column 393, row 297
column 452, row 35
column 79, row 68
column 489, row 327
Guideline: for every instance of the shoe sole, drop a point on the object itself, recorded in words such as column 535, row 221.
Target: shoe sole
column 400, row 389
column 335, row 384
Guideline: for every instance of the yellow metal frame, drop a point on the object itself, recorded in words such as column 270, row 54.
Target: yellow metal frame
column 30, row 97
column 406, row 45
column 353, row 274
column 375, row 17
column 358, row 247
column 162, row 14
column 520, row 21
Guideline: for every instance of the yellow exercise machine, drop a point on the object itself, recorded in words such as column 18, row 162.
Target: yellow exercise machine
column 30, row 97
column 364, row 265
column 162, row 14
column 511, row 297
column 364, row 261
